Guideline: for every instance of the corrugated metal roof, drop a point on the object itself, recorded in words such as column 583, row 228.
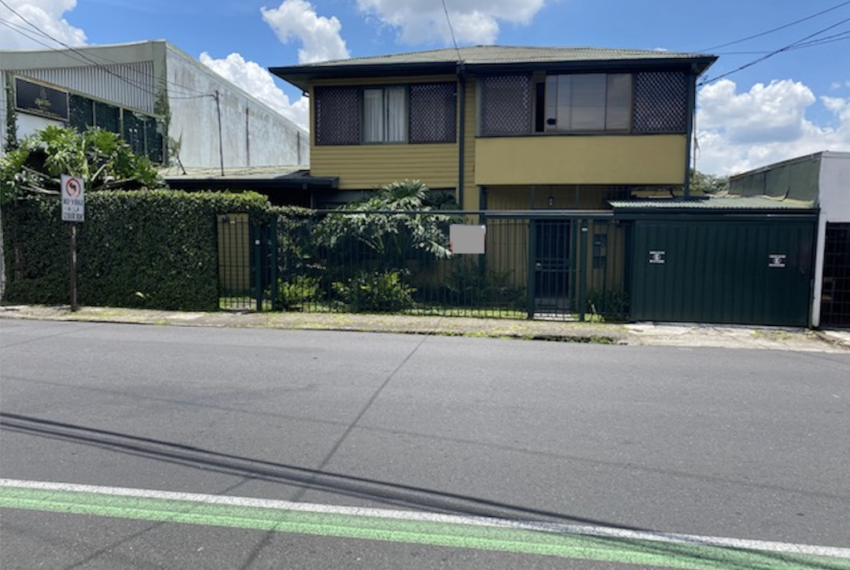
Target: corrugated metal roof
column 482, row 55
column 722, row 203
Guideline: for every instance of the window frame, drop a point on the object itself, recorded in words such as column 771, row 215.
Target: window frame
column 385, row 126
column 606, row 108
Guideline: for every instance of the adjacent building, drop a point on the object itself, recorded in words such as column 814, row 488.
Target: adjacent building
column 165, row 103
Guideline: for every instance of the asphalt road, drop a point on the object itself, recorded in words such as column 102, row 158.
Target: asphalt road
column 607, row 445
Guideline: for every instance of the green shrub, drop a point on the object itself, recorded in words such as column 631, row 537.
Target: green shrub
column 294, row 294
column 609, row 304
column 156, row 249
column 473, row 287
column 381, row 292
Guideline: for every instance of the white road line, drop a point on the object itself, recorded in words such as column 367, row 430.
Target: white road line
column 415, row 516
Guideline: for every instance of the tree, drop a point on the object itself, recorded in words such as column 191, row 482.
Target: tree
column 391, row 236
column 708, row 183
column 100, row 157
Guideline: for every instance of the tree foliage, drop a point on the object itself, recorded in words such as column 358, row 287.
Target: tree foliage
column 394, row 220
column 100, row 157
column 708, row 183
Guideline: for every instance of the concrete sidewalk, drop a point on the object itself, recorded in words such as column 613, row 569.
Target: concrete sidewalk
column 640, row 334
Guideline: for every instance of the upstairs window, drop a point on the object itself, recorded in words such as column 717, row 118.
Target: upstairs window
column 588, row 102
column 418, row 113
column 385, row 115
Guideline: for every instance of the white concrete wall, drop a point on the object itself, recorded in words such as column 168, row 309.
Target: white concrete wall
column 29, row 124
column 252, row 133
column 834, row 202
column 835, row 186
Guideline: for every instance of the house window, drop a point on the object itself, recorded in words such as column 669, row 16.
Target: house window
column 433, row 113
column 418, row 113
column 385, row 115
column 505, row 105
column 337, row 115
column 661, row 102
column 588, row 102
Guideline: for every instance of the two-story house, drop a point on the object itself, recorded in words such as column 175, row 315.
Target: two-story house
column 513, row 129
column 502, row 124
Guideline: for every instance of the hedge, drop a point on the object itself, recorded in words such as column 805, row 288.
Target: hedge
column 154, row 249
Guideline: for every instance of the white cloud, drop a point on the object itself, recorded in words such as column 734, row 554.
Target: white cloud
column 741, row 131
column 297, row 19
column 36, row 22
column 473, row 21
column 254, row 79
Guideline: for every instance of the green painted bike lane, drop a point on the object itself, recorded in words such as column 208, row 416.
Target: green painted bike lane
column 500, row 536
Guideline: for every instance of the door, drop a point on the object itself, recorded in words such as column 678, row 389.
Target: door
column 551, row 265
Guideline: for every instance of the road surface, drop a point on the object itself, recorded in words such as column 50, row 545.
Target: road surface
column 168, row 447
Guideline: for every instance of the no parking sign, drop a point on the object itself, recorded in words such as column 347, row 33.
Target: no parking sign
column 73, row 199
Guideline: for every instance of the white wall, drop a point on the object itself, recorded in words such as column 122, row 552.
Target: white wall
column 835, row 186
column 252, row 133
column 834, row 202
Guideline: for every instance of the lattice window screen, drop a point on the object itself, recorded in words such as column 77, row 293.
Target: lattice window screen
column 338, row 112
column 661, row 102
column 433, row 113
column 506, row 105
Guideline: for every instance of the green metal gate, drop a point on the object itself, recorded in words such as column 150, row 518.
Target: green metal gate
column 745, row 271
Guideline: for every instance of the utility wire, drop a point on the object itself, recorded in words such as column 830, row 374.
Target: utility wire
column 451, row 29
column 795, row 45
column 99, row 65
column 794, row 23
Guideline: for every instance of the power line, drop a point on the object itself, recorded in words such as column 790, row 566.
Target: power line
column 88, row 59
column 794, row 23
column 451, row 29
column 795, row 45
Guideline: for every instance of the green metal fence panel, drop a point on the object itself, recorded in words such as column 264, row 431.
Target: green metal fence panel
column 723, row 271
column 559, row 266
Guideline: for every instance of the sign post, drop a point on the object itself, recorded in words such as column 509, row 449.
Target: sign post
column 73, row 210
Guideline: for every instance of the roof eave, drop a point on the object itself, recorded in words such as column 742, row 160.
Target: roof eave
column 302, row 75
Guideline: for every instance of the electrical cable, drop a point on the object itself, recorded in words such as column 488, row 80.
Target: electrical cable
column 794, row 23
column 451, row 30
column 773, row 53
column 86, row 58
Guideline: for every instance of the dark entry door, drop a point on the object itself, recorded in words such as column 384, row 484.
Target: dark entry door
column 551, row 265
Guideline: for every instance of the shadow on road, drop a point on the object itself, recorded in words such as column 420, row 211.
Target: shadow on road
column 388, row 493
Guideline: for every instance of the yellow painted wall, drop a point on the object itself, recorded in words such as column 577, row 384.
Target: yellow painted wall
column 603, row 159
column 566, row 197
column 364, row 167
column 234, row 255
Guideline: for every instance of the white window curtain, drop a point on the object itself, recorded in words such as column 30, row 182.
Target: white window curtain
column 373, row 115
column 396, row 114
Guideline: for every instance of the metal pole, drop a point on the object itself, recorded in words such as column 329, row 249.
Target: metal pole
column 220, row 140
column 73, row 271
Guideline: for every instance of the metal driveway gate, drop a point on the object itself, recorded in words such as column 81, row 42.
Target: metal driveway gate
column 756, row 271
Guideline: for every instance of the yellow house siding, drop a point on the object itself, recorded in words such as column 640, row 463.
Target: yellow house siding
column 602, row 159
column 370, row 166
column 470, row 187
column 537, row 198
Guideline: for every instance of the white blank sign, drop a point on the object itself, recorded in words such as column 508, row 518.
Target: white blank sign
column 467, row 239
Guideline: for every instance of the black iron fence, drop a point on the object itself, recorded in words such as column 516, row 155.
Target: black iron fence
column 561, row 265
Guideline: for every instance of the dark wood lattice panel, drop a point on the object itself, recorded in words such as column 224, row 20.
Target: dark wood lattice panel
column 433, row 113
column 661, row 102
column 337, row 115
column 506, row 105
column 835, row 294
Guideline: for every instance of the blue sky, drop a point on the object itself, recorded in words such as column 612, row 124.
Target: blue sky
column 793, row 103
